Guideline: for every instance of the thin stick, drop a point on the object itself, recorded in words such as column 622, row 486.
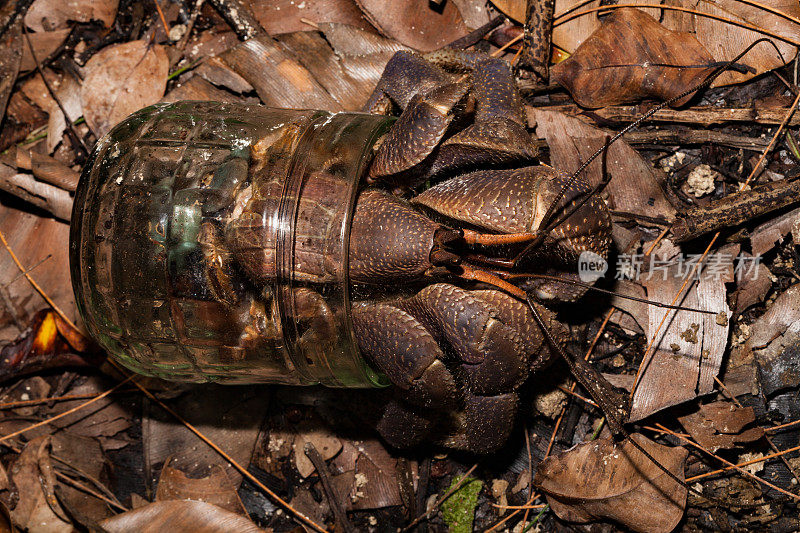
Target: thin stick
column 512, row 42
column 739, row 469
column 655, row 242
column 746, row 463
column 520, row 507
column 576, row 395
column 36, row 285
column 324, row 477
column 439, row 502
column 475, row 35
column 530, row 470
column 74, row 137
column 163, row 18
column 39, row 401
column 783, row 426
column 67, row 412
column 772, row 445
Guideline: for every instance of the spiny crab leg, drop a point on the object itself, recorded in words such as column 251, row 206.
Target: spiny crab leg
column 471, row 273
column 493, row 239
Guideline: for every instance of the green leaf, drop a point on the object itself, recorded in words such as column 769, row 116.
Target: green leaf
column 458, row 510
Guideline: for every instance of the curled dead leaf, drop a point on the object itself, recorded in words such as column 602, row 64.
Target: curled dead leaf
column 34, row 478
column 420, row 25
column 284, row 16
column 179, row 515
column 49, row 15
column 216, row 488
column 631, row 56
column 725, row 40
column 121, row 79
column 607, row 480
column 721, row 425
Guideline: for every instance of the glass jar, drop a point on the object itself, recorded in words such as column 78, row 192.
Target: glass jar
column 209, row 243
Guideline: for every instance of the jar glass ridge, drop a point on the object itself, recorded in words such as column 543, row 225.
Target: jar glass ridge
column 209, row 243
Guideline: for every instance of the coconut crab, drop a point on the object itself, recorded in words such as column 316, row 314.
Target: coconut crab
column 461, row 340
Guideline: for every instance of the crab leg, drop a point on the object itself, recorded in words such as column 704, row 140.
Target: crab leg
column 450, row 349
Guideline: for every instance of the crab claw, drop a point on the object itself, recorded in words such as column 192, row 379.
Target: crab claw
column 516, row 201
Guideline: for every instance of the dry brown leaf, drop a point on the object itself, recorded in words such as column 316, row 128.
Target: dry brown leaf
column 44, row 43
column 766, row 235
column 34, row 478
column 215, row 71
column 48, row 263
column 121, row 79
column 285, row 16
column 179, row 515
column 34, row 388
column 631, row 56
column 416, row 24
column 752, row 287
column 635, row 185
column 513, row 8
column 721, row 425
column 687, row 350
column 474, row 12
column 229, row 415
column 103, row 419
column 44, row 196
column 607, row 480
column 305, row 70
column 49, row 15
column 68, row 93
column 328, row 68
column 85, row 454
column 726, row 41
column 196, row 88
column 216, row 488
column 277, row 76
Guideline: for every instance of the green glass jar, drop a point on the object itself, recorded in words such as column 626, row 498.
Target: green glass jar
column 209, row 243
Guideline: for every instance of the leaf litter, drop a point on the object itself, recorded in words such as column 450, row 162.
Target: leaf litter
column 105, row 60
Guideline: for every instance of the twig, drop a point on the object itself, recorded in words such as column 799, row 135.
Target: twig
column 240, row 18
column 77, row 142
column 475, row 35
column 244, row 471
column 439, row 502
column 162, row 17
column 740, row 465
column 39, row 401
column 735, row 209
column 530, row 469
column 324, row 477
column 739, row 469
column 698, row 115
